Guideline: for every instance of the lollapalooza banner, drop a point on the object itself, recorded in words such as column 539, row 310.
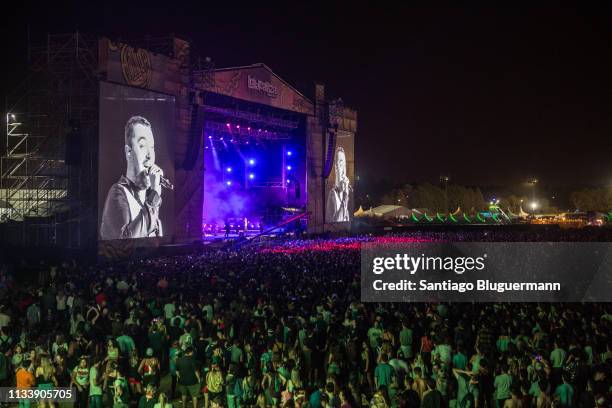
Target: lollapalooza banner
column 260, row 85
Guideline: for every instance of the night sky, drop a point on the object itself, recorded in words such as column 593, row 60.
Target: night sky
column 489, row 96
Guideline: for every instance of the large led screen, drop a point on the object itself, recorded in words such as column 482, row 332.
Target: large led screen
column 136, row 163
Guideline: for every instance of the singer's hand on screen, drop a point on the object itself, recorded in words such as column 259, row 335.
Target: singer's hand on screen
column 155, row 175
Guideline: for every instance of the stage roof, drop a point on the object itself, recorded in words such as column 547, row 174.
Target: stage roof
column 256, row 83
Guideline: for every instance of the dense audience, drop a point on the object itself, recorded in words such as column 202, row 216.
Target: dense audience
column 282, row 325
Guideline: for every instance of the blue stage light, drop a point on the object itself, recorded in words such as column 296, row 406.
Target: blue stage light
column 251, row 176
column 228, row 182
column 289, row 153
column 252, row 162
column 289, row 168
column 229, row 169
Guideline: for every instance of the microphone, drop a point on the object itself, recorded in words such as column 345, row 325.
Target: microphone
column 165, row 183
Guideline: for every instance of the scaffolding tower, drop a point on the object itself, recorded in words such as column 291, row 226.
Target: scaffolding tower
column 47, row 177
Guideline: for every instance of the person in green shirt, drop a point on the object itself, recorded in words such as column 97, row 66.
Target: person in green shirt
column 374, row 333
column 95, row 386
column 236, row 352
column 405, row 338
column 459, row 359
column 502, row 385
column 557, row 356
column 383, row 374
column 121, row 392
column 564, row 394
column 126, row 344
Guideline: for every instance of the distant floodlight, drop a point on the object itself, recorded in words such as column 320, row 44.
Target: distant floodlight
column 227, row 124
column 252, row 162
column 288, row 181
column 534, row 205
column 251, row 176
column 228, row 182
column 229, row 169
column 289, row 168
column 237, row 126
column 289, row 153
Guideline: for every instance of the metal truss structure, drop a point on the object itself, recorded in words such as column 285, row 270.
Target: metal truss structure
column 51, row 117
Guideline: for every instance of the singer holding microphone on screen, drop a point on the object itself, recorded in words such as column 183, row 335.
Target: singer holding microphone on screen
column 337, row 207
column 132, row 205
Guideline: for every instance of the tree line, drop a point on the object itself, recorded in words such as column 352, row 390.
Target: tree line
column 440, row 198
column 592, row 199
column 437, row 198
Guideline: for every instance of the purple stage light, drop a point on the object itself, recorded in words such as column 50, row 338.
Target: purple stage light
column 227, row 124
column 237, row 126
column 228, row 182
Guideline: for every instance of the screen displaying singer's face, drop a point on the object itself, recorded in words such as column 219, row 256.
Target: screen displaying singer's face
column 142, row 147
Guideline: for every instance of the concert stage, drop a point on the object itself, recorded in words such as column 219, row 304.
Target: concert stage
column 174, row 145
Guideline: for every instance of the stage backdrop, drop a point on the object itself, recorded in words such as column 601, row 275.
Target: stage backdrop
column 118, row 104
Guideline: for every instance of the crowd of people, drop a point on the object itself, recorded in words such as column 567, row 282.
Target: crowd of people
column 280, row 327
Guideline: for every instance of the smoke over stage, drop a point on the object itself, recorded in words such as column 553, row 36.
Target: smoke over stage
column 254, row 165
